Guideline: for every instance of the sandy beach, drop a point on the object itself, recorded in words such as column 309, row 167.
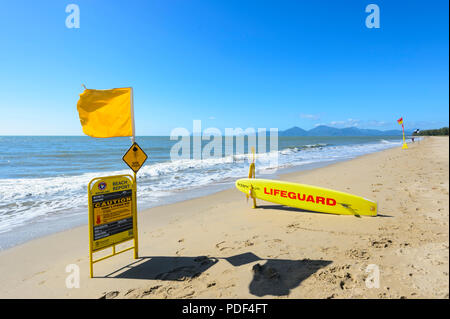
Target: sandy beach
column 217, row 246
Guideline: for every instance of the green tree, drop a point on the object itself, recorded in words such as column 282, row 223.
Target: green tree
column 435, row 132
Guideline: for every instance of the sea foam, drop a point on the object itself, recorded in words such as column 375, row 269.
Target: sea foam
column 27, row 200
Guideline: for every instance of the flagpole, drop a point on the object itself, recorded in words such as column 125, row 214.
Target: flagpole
column 403, row 129
column 404, row 146
column 133, row 140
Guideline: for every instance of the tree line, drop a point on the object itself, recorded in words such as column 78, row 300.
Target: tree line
column 440, row 131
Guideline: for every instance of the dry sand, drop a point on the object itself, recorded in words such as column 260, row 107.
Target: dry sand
column 219, row 247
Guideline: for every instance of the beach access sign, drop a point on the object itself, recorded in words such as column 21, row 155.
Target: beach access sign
column 135, row 157
column 112, row 213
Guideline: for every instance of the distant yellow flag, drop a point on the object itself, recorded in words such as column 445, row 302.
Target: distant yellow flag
column 106, row 113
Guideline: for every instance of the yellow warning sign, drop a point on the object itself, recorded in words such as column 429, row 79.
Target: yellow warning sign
column 135, row 157
column 112, row 214
column 111, row 210
column 111, row 204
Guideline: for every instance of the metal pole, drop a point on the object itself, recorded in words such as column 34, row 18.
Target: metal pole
column 136, row 245
column 133, row 140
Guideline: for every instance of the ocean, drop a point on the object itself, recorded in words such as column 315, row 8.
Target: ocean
column 43, row 179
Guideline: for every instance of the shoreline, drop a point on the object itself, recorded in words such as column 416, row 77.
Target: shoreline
column 210, row 246
column 40, row 228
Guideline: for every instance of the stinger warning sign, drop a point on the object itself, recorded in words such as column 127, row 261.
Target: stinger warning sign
column 135, row 157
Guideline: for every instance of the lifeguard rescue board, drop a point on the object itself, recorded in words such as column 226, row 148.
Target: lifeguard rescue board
column 307, row 197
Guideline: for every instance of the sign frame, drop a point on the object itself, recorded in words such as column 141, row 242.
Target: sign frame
column 130, row 179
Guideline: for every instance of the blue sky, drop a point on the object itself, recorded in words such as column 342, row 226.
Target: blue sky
column 228, row 63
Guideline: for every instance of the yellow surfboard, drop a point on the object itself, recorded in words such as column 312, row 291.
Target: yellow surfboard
column 307, row 197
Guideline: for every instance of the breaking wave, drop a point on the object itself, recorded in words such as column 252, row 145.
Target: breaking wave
column 25, row 200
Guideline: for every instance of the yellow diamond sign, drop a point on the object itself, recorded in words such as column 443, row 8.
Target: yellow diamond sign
column 135, row 157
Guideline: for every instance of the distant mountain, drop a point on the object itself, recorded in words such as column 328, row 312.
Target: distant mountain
column 324, row 130
column 294, row 131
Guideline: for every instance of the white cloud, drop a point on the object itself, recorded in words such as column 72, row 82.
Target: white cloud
column 314, row 117
column 211, row 118
column 345, row 123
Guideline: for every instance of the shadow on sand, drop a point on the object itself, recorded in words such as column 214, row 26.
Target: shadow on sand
column 293, row 209
column 274, row 277
column 165, row 268
column 288, row 208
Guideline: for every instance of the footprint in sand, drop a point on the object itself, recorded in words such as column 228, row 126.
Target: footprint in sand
column 358, row 254
column 340, row 275
column 381, row 243
column 129, row 292
column 248, row 243
column 211, row 284
column 189, row 295
column 110, row 295
column 292, row 228
column 205, row 260
column 151, row 290
column 218, row 246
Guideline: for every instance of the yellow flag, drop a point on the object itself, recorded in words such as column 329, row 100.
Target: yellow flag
column 106, row 113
